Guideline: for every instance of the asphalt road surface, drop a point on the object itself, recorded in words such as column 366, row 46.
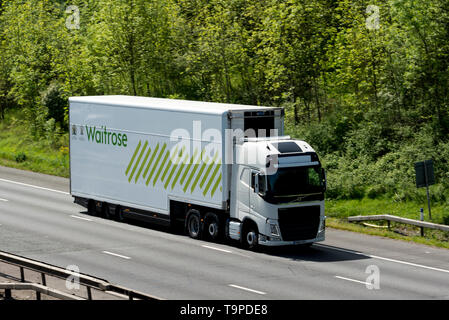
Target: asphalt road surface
column 39, row 220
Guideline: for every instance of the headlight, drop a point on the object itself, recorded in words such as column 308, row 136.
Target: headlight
column 274, row 230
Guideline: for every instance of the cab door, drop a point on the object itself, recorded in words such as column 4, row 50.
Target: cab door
column 253, row 190
column 244, row 192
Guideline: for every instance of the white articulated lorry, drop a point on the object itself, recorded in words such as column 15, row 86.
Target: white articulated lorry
column 222, row 170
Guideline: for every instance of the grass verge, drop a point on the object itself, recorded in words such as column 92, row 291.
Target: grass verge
column 346, row 208
column 338, row 211
column 19, row 149
column 396, row 232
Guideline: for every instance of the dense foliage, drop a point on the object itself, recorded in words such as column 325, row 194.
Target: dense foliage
column 364, row 82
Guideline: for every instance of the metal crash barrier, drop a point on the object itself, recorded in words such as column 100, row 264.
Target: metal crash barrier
column 46, row 270
column 388, row 218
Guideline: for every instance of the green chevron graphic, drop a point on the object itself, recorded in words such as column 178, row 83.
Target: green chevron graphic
column 151, row 161
column 179, row 171
column 169, row 164
column 156, row 163
column 214, row 188
column 138, row 160
column 174, row 171
column 174, row 168
column 211, row 179
column 198, row 175
column 208, row 170
column 143, row 164
column 132, row 159
column 188, row 166
column 195, row 167
column 160, row 168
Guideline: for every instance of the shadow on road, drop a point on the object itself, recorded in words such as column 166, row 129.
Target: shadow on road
column 316, row 252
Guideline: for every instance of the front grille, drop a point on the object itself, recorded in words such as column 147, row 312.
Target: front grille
column 299, row 223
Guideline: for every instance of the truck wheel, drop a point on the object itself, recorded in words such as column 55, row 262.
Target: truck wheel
column 250, row 237
column 194, row 225
column 212, row 227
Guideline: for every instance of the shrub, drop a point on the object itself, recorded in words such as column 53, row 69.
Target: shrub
column 54, row 100
column 446, row 218
column 21, row 157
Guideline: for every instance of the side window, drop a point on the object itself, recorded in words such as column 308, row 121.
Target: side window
column 262, row 187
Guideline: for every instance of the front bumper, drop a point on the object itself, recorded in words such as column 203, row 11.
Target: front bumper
column 267, row 241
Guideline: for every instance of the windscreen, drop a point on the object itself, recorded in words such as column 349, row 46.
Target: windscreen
column 294, row 182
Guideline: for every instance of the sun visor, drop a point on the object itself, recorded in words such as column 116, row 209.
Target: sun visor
column 294, row 159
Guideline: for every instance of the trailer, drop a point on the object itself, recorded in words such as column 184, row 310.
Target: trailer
column 218, row 170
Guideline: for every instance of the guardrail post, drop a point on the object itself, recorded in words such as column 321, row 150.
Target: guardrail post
column 22, row 275
column 130, row 295
column 44, row 283
column 89, row 293
column 422, row 219
column 8, row 295
column 38, row 295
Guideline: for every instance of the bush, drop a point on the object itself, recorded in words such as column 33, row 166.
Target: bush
column 325, row 137
column 375, row 191
column 446, row 219
column 21, row 157
column 54, row 100
column 379, row 167
column 370, row 139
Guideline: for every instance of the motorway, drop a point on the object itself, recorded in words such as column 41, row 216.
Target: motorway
column 39, row 220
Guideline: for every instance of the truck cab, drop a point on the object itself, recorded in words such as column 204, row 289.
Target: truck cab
column 279, row 199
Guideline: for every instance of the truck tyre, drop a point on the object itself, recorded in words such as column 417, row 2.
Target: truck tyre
column 212, row 227
column 250, row 237
column 193, row 224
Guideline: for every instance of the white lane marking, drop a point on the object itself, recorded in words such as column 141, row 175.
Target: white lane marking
column 218, row 249
column 116, row 255
column 33, row 186
column 227, row 251
column 3, row 200
column 81, row 218
column 247, row 289
column 386, row 259
column 348, row 279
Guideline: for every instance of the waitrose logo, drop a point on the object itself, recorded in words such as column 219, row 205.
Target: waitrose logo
column 104, row 136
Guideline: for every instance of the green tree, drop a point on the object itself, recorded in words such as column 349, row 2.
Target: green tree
column 130, row 42
column 220, row 49
column 426, row 26
column 28, row 36
column 292, row 46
